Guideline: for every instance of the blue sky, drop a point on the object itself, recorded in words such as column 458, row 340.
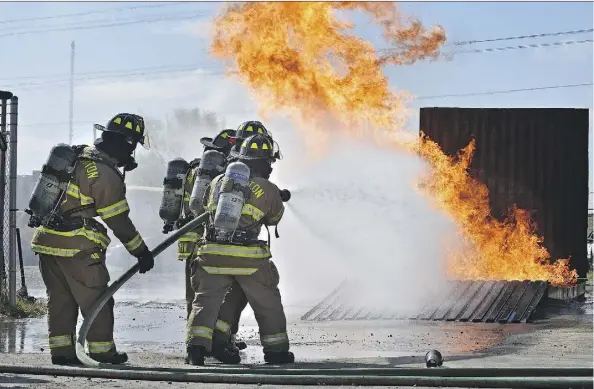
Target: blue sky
column 122, row 49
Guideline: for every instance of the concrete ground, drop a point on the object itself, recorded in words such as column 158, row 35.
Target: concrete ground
column 562, row 341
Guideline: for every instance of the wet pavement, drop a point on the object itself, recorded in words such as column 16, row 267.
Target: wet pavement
column 150, row 325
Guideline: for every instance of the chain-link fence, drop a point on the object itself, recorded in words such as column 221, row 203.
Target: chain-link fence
column 4, row 213
column 8, row 120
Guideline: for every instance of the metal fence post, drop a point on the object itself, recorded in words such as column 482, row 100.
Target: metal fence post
column 2, row 194
column 12, row 273
column 4, row 97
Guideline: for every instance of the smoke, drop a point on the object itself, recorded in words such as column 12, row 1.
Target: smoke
column 355, row 213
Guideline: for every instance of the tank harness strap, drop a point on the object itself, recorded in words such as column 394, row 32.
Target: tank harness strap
column 276, row 235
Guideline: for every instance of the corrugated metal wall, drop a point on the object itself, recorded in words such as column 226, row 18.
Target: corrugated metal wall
column 536, row 158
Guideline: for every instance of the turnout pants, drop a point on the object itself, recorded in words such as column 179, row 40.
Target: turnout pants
column 262, row 293
column 189, row 290
column 230, row 311
column 74, row 283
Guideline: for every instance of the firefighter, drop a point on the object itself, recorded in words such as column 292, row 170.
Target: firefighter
column 187, row 243
column 245, row 260
column 235, row 301
column 72, row 251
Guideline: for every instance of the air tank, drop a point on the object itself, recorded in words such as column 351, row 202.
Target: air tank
column 52, row 183
column 230, row 200
column 173, row 192
column 211, row 165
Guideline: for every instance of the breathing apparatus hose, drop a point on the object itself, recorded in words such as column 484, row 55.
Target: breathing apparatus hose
column 338, row 378
column 110, row 291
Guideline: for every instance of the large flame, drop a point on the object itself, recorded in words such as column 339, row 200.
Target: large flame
column 298, row 57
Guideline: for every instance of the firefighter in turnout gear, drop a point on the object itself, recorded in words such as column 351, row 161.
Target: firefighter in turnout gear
column 236, row 300
column 187, row 243
column 72, row 248
column 244, row 259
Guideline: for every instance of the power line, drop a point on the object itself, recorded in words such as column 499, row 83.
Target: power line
column 171, row 69
column 504, row 91
column 118, row 24
column 505, row 48
column 521, row 47
column 518, row 37
column 164, row 71
column 428, row 97
column 93, row 12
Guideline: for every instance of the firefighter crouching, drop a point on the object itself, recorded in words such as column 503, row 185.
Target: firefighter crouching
column 232, row 252
column 72, row 244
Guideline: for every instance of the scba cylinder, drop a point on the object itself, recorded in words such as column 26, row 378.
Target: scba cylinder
column 211, row 165
column 51, row 184
column 234, row 186
column 173, row 190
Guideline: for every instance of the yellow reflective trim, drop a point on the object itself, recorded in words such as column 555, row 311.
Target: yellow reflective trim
column 117, row 120
column 95, row 256
column 274, row 339
column 189, row 237
column 264, row 146
column 60, row 341
column 74, row 191
column 55, row 251
column 224, row 135
column 186, row 197
column 134, row 243
column 230, row 271
column 244, row 144
column 222, row 326
column 95, row 237
column 252, row 211
column 113, row 210
column 100, row 347
column 249, row 129
column 138, row 129
column 254, row 145
column 253, row 252
column 128, row 125
column 199, row 332
column 277, row 217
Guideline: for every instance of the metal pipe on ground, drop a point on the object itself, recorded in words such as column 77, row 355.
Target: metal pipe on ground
column 333, row 380
column 110, row 291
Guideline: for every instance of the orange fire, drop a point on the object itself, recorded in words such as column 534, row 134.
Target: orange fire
column 299, row 57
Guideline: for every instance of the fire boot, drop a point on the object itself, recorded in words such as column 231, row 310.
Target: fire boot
column 66, row 361
column 226, row 353
column 114, row 359
column 241, row 345
column 195, row 355
column 279, row 358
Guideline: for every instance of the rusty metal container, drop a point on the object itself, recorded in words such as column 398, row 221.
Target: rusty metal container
column 536, row 158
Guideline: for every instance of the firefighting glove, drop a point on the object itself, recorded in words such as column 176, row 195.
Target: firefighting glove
column 146, row 261
column 285, row 195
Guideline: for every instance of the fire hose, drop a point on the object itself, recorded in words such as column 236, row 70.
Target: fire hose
column 453, row 377
column 466, row 377
column 110, row 291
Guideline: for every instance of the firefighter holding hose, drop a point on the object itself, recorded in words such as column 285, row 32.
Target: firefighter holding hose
column 240, row 202
column 77, row 184
column 187, row 243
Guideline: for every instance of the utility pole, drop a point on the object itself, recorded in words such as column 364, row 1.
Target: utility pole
column 71, row 113
column 14, row 109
